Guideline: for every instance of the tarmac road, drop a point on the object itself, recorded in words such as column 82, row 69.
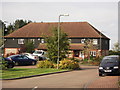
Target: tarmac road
column 74, row 79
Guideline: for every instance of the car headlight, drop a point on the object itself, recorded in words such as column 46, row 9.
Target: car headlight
column 115, row 67
column 100, row 67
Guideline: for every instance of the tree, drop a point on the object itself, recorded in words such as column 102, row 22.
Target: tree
column 52, row 45
column 116, row 47
column 88, row 46
column 27, row 47
column 10, row 29
column 19, row 23
column 16, row 25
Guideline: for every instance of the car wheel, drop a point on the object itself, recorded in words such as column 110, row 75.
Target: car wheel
column 10, row 66
column 100, row 74
column 33, row 63
column 16, row 63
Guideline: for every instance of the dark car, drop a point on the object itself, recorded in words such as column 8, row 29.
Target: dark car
column 109, row 65
column 22, row 60
column 7, row 63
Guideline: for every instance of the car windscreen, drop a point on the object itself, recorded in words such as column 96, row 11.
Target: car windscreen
column 38, row 52
column 110, row 60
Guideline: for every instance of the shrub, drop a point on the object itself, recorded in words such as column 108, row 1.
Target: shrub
column 45, row 64
column 74, row 59
column 3, row 65
column 68, row 64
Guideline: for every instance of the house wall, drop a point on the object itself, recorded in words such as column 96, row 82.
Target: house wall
column 13, row 44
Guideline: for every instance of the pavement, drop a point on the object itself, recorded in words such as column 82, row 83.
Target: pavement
column 86, row 78
column 105, row 82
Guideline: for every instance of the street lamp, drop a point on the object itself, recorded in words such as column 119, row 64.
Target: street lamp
column 58, row 37
column 101, row 42
column 3, row 32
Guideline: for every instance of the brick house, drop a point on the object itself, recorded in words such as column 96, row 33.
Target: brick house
column 77, row 32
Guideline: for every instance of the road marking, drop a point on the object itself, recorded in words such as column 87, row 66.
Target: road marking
column 35, row 87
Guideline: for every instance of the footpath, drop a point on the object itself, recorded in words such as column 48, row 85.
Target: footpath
column 110, row 82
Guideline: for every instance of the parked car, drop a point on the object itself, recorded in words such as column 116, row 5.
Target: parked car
column 22, row 60
column 109, row 65
column 8, row 63
column 31, row 56
column 41, row 54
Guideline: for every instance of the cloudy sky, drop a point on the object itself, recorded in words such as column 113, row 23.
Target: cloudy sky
column 102, row 15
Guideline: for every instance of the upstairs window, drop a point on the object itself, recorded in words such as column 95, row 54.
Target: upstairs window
column 42, row 41
column 69, row 40
column 20, row 41
column 82, row 40
column 95, row 41
column 33, row 40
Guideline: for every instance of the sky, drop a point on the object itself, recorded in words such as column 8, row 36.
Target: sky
column 103, row 15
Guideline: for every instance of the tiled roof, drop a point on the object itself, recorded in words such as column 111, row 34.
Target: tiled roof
column 73, row 29
column 72, row 46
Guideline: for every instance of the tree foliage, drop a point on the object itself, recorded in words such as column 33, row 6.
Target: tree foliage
column 16, row 25
column 29, row 45
column 116, row 47
column 52, row 45
column 88, row 46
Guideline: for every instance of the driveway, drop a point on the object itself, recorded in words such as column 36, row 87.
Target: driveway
column 85, row 78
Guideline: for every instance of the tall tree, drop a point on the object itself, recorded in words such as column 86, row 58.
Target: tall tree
column 16, row 25
column 19, row 23
column 52, row 45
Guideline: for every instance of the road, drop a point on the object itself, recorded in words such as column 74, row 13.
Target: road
column 74, row 79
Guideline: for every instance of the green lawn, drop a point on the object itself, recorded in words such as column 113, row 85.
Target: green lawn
column 21, row 72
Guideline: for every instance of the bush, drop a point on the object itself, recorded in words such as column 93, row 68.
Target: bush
column 3, row 65
column 92, row 61
column 68, row 64
column 74, row 59
column 45, row 64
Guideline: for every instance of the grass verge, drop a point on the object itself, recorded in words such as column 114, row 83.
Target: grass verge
column 22, row 72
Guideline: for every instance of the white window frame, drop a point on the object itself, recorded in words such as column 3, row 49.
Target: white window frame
column 93, row 53
column 82, row 40
column 95, row 41
column 69, row 40
column 33, row 40
column 42, row 41
column 20, row 41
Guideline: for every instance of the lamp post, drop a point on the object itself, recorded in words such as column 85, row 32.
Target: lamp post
column 3, row 32
column 58, row 38
column 101, row 43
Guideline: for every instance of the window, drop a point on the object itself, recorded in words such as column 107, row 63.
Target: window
column 69, row 40
column 42, row 41
column 82, row 40
column 33, row 40
column 95, row 41
column 20, row 41
column 93, row 53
